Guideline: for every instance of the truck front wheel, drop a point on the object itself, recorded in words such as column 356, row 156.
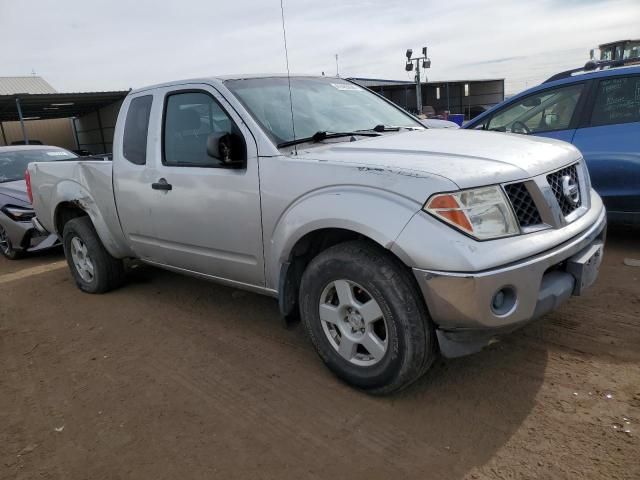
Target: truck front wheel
column 92, row 267
column 366, row 318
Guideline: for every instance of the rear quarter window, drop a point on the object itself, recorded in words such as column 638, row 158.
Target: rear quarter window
column 136, row 127
column 617, row 101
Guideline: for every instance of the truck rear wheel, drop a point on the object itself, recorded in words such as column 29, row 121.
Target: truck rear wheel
column 92, row 267
column 366, row 318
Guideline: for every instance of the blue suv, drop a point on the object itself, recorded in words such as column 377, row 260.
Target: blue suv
column 599, row 113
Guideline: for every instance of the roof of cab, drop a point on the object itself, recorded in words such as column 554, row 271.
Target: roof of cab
column 222, row 78
column 11, row 148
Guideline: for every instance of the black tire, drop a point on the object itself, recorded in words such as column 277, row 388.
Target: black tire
column 7, row 250
column 108, row 272
column 411, row 343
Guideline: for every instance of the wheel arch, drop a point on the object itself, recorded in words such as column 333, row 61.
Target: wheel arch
column 90, row 194
column 304, row 251
column 66, row 211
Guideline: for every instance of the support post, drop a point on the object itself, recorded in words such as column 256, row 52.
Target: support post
column 4, row 136
column 104, row 144
column 24, row 130
column 418, row 88
column 75, row 132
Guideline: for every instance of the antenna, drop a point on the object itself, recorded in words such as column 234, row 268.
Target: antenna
column 286, row 56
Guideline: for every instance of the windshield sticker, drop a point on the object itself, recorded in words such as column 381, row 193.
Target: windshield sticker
column 347, row 86
column 57, row 154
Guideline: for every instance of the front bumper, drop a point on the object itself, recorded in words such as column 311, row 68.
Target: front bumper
column 462, row 304
column 26, row 237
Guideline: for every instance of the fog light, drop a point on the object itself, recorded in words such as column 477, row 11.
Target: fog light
column 503, row 301
column 498, row 300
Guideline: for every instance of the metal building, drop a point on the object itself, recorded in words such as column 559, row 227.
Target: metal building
column 468, row 97
column 52, row 132
column 32, row 111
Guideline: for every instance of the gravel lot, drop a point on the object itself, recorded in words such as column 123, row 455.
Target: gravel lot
column 172, row 377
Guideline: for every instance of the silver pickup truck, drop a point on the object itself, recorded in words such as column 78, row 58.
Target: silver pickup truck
column 392, row 242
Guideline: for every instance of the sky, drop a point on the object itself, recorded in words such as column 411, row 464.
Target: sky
column 89, row 45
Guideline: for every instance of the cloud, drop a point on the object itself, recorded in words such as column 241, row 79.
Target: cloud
column 104, row 45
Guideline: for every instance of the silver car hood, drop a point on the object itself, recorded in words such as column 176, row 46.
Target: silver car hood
column 16, row 190
column 466, row 157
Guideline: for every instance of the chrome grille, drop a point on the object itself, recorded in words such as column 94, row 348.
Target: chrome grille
column 523, row 205
column 555, row 182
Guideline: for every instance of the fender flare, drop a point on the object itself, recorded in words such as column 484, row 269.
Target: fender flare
column 71, row 192
column 378, row 215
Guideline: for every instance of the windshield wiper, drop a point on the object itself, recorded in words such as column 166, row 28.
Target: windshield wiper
column 388, row 128
column 385, row 128
column 323, row 135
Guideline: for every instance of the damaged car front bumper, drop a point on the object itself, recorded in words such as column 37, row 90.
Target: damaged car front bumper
column 472, row 309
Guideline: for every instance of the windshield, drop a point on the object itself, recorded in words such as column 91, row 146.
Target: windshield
column 13, row 163
column 319, row 105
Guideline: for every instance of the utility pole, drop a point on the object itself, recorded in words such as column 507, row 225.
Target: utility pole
column 337, row 69
column 423, row 62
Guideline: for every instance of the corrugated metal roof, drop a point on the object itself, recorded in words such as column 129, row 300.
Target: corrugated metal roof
column 30, row 84
column 55, row 105
column 377, row 82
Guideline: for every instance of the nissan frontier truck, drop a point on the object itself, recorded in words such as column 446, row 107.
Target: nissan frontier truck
column 392, row 242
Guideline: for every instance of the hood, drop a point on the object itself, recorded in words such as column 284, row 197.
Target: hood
column 466, row 157
column 16, row 190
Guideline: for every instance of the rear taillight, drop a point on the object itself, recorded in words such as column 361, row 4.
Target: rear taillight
column 27, row 179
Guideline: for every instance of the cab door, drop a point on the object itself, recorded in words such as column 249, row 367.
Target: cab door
column 133, row 170
column 205, row 212
column 609, row 139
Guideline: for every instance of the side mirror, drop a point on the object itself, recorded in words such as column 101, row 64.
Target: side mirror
column 228, row 148
column 551, row 119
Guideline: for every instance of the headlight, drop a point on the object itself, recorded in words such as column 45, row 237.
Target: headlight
column 483, row 213
column 18, row 214
column 587, row 177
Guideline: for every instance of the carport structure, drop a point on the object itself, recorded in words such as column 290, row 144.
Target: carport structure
column 87, row 111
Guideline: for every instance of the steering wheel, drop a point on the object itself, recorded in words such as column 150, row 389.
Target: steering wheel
column 518, row 125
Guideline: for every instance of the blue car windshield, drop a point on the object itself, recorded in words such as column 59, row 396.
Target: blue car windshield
column 319, row 105
column 14, row 162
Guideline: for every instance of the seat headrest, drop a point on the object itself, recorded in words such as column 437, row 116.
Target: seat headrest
column 188, row 119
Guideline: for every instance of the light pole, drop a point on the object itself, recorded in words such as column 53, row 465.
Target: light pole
column 426, row 63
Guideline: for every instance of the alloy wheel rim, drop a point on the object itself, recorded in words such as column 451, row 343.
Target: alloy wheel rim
column 5, row 243
column 353, row 322
column 81, row 259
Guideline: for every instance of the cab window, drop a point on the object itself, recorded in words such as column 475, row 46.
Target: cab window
column 189, row 119
column 545, row 111
column 617, row 101
column 136, row 127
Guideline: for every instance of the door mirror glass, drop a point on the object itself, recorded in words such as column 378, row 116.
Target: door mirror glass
column 226, row 147
column 550, row 120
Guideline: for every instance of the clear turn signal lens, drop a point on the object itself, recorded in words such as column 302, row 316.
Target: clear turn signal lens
column 483, row 213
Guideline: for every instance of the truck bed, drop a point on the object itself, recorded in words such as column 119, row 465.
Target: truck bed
column 85, row 183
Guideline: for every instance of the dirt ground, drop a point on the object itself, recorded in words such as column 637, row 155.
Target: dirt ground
column 172, row 377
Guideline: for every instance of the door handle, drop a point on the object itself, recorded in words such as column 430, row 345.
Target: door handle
column 162, row 184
